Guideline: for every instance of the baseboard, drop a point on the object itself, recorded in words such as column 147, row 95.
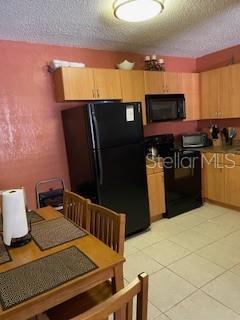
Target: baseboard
column 221, row 204
column 156, row 218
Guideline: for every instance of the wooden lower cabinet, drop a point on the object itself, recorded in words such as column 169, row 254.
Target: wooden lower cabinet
column 156, row 195
column 214, row 182
column 221, row 183
column 232, row 186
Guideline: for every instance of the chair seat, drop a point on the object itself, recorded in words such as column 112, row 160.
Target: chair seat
column 81, row 303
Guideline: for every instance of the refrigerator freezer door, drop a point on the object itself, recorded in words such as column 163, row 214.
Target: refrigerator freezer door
column 115, row 124
column 81, row 164
column 123, row 185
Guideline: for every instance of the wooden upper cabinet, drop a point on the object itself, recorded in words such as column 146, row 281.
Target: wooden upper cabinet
column 73, row 84
column 107, row 84
column 133, row 90
column 154, row 82
column 220, row 94
column 87, row 84
column 229, row 101
column 209, row 87
column 162, row 82
column 235, row 92
column 172, row 82
column 225, row 87
column 191, row 90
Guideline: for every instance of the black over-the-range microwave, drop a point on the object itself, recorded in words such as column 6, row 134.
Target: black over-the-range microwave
column 165, row 107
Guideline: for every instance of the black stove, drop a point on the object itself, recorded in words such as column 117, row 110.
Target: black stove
column 182, row 174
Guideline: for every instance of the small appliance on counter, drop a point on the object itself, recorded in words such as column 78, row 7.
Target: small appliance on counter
column 165, row 107
column 195, row 140
column 182, row 174
column 15, row 225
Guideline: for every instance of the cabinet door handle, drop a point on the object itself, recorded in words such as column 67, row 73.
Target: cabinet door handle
column 93, row 93
column 98, row 93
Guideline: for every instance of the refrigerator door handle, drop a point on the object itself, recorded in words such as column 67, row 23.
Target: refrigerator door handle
column 99, row 155
column 95, row 129
column 97, row 145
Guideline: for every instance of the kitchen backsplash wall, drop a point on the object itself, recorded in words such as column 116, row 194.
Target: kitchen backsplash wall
column 175, row 127
column 32, row 145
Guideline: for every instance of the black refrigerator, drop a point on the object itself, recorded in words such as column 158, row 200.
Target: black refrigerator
column 105, row 150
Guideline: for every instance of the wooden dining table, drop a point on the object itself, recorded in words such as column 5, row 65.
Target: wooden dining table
column 109, row 262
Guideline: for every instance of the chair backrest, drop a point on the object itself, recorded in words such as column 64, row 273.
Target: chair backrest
column 106, row 225
column 75, row 208
column 122, row 300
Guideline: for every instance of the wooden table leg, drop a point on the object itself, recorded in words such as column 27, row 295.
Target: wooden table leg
column 117, row 280
column 118, row 284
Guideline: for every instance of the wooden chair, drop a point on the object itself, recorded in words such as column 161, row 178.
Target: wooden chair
column 106, row 225
column 122, row 300
column 75, row 208
column 109, row 227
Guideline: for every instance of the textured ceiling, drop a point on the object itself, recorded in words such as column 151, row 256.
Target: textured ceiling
column 185, row 28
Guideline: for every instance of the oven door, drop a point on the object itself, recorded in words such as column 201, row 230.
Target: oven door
column 183, row 183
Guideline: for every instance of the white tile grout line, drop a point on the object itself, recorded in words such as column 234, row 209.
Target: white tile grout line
column 197, row 288
column 193, row 252
column 218, row 301
column 200, row 233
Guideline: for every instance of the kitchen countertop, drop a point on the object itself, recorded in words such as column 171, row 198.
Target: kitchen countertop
column 234, row 149
column 220, row 149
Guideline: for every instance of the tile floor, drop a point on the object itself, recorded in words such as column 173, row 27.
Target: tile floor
column 194, row 265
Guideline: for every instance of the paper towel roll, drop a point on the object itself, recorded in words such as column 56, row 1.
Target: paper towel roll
column 14, row 215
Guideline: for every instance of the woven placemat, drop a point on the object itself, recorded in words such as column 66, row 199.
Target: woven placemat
column 34, row 278
column 32, row 216
column 4, row 254
column 51, row 233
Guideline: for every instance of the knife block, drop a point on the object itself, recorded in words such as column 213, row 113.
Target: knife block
column 217, row 142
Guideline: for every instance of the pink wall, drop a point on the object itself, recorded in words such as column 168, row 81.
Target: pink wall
column 31, row 136
column 218, row 59
column 176, row 127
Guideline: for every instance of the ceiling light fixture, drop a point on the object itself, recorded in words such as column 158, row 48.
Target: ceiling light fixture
column 137, row 10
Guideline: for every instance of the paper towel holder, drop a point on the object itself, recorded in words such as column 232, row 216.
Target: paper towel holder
column 20, row 242
column 13, row 237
